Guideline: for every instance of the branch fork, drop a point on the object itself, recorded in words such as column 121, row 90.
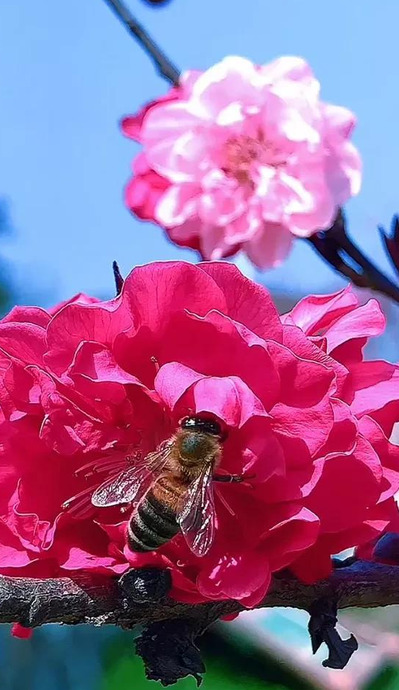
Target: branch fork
column 337, row 249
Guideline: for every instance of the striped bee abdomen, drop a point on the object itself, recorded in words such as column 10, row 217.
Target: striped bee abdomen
column 153, row 523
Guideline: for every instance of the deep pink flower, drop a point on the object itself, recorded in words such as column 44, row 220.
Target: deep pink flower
column 243, row 157
column 305, row 417
column 146, row 187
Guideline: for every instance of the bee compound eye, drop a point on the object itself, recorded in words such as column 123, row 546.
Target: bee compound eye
column 188, row 423
column 210, row 426
column 202, row 424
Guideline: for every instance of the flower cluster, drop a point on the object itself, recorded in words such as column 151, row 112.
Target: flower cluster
column 243, row 157
column 306, row 419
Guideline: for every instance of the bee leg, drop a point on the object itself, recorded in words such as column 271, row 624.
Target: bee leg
column 230, row 478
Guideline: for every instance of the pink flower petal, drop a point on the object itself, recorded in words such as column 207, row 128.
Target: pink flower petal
column 177, row 205
column 234, row 79
column 315, row 313
column 270, row 246
column 248, row 302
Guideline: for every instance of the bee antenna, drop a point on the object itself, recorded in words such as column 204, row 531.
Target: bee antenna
column 117, row 277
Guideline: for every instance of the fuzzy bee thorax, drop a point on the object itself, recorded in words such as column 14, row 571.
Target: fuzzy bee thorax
column 194, row 447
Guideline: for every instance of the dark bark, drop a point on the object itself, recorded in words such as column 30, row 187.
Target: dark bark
column 336, row 247
column 117, row 278
column 98, row 600
column 162, row 64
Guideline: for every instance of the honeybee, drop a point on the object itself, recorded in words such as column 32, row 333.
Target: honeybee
column 172, row 489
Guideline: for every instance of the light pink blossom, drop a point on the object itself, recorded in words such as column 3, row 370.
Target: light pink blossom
column 244, row 157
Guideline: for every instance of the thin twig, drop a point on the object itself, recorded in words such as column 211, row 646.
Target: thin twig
column 117, row 277
column 328, row 249
column 337, row 249
column 162, row 64
column 376, row 280
column 391, row 242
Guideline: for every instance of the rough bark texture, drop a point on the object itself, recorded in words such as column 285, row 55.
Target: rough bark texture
column 99, row 601
column 168, row 643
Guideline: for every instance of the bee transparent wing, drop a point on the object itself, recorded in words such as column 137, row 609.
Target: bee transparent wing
column 133, row 483
column 196, row 516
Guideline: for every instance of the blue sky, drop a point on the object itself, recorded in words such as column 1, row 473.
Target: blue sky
column 69, row 71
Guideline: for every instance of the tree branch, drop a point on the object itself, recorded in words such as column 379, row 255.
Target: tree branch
column 336, row 247
column 168, row 643
column 162, row 64
column 99, row 600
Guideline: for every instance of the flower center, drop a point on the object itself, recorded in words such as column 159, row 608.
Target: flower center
column 242, row 152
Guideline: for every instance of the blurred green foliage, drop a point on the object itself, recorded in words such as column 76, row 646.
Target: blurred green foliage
column 226, row 668
column 127, row 672
column 388, row 679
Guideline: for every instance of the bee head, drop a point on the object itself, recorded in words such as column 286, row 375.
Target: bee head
column 202, row 425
